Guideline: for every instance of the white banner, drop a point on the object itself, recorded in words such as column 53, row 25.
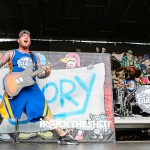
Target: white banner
column 72, row 94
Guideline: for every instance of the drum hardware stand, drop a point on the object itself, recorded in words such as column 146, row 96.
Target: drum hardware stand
column 120, row 97
column 131, row 110
column 125, row 111
column 127, row 98
column 117, row 111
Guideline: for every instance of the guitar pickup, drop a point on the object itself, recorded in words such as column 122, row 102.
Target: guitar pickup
column 19, row 80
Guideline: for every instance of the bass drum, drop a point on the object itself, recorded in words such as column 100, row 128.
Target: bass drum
column 132, row 106
column 143, row 98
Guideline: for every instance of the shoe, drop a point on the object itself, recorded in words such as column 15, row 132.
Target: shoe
column 67, row 140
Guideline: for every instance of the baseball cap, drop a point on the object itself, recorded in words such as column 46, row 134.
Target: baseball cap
column 24, row 32
column 129, row 52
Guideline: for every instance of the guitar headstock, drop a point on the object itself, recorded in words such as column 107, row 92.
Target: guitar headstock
column 65, row 60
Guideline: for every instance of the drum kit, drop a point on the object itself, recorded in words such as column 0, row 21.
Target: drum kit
column 133, row 102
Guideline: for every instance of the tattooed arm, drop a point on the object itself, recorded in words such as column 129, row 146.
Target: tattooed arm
column 6, row 57
column 46, row 71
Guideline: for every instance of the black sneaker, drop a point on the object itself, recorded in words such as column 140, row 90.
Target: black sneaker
column 67, row 140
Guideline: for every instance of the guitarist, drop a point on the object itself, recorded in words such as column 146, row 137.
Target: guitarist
column 30, row 99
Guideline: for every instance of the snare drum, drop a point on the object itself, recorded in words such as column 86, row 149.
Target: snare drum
column 142, row 96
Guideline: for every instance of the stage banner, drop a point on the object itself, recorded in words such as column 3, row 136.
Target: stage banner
column 79, row 95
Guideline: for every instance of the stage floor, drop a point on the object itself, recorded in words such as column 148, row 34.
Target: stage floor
column 81, row 146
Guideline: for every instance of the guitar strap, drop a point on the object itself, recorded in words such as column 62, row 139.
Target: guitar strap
column 34, row 66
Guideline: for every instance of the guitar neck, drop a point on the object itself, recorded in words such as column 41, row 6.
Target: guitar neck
column 41, row 69
column 37, row 71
